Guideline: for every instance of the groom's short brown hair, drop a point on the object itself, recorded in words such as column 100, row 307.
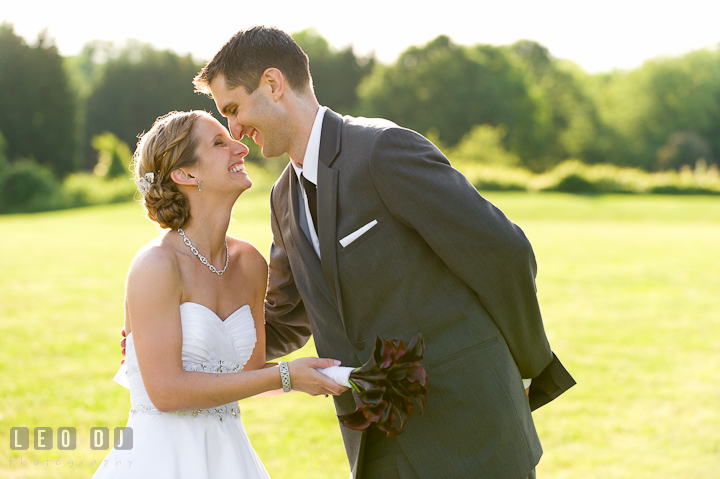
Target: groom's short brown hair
column 244, row 58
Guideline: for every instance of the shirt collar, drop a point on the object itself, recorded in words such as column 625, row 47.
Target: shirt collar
column 312, row 152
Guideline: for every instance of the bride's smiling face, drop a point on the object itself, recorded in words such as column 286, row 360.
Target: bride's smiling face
column 221, row 164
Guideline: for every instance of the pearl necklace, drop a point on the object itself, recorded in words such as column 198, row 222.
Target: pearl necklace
column 202, row 258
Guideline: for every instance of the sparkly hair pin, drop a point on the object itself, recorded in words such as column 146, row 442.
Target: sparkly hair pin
column 144, row 183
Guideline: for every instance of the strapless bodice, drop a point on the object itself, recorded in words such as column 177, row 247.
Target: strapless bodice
column 209, row 345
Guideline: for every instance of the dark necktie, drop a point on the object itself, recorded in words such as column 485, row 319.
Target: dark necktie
column 311, row 192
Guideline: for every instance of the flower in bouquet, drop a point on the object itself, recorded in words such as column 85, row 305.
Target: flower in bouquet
column 389, row 387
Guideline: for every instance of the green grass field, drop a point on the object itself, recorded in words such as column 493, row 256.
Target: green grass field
column 629, row 287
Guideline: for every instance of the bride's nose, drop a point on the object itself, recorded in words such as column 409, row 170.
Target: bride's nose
column 240, row 149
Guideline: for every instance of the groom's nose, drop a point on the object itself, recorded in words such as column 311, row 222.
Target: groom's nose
column 236, row 129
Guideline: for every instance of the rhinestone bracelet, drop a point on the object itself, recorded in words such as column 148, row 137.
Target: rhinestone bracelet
column 285, row 376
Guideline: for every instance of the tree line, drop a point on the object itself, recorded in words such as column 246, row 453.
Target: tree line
column 514, row 105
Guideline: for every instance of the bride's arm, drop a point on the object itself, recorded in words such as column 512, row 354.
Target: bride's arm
column 256, row 270
column 153, row 298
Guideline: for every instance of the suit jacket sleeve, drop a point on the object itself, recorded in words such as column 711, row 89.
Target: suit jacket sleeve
column 286, row 323
column 474, row 238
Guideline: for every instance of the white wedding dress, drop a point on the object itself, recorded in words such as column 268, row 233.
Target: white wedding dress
column 205, row 444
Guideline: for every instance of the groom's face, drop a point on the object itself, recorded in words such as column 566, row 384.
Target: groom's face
column 250, row 114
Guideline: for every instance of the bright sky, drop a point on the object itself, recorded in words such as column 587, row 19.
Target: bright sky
column 599, row 36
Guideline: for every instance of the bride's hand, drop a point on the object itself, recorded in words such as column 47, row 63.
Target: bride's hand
column 305, row 378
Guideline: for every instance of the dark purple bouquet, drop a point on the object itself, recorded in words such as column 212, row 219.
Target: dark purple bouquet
column 389, row 387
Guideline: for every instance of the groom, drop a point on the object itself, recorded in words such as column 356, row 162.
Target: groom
column 375, row 234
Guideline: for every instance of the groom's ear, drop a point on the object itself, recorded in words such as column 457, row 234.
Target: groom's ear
column 182, row 177
column 275, row 80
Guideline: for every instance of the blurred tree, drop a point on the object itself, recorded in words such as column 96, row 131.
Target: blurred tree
column 484, row 145
column 645, row 107
column 336, row 74
column 573, row 115
column 3, row 159
column 114, row 156
column 37, row 104
column 452, row 88
column 27, row 186
column 138, row 86
column 3, row 146
column 84, row 71
column 86, row 68
column 683, row 148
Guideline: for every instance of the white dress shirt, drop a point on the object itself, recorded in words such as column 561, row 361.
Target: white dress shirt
column 309, row 170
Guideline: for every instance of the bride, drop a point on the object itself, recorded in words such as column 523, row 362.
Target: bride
column 194, row 314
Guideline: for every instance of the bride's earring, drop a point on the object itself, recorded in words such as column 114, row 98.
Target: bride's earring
column 198, row 185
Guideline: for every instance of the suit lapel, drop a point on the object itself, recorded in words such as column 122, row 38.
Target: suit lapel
column 327, row 219
column 327, row 201
column 307, row 253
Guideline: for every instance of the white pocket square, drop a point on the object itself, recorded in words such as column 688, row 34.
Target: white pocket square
column 356, row 234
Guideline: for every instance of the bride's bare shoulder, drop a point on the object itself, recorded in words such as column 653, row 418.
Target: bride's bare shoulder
column 153, row 283
column 245, row 251
column 248, row 257
column 155, row 258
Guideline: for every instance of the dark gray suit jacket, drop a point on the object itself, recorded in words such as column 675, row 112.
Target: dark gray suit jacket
column 440, row 260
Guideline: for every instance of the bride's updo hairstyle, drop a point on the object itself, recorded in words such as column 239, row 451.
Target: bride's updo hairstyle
column 170, row 144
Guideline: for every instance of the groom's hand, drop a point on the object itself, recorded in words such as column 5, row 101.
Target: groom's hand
column 122, row 344
column 527, row 393
column 305, row 378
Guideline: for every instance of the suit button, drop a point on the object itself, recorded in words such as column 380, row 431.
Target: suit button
column 359, row 345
